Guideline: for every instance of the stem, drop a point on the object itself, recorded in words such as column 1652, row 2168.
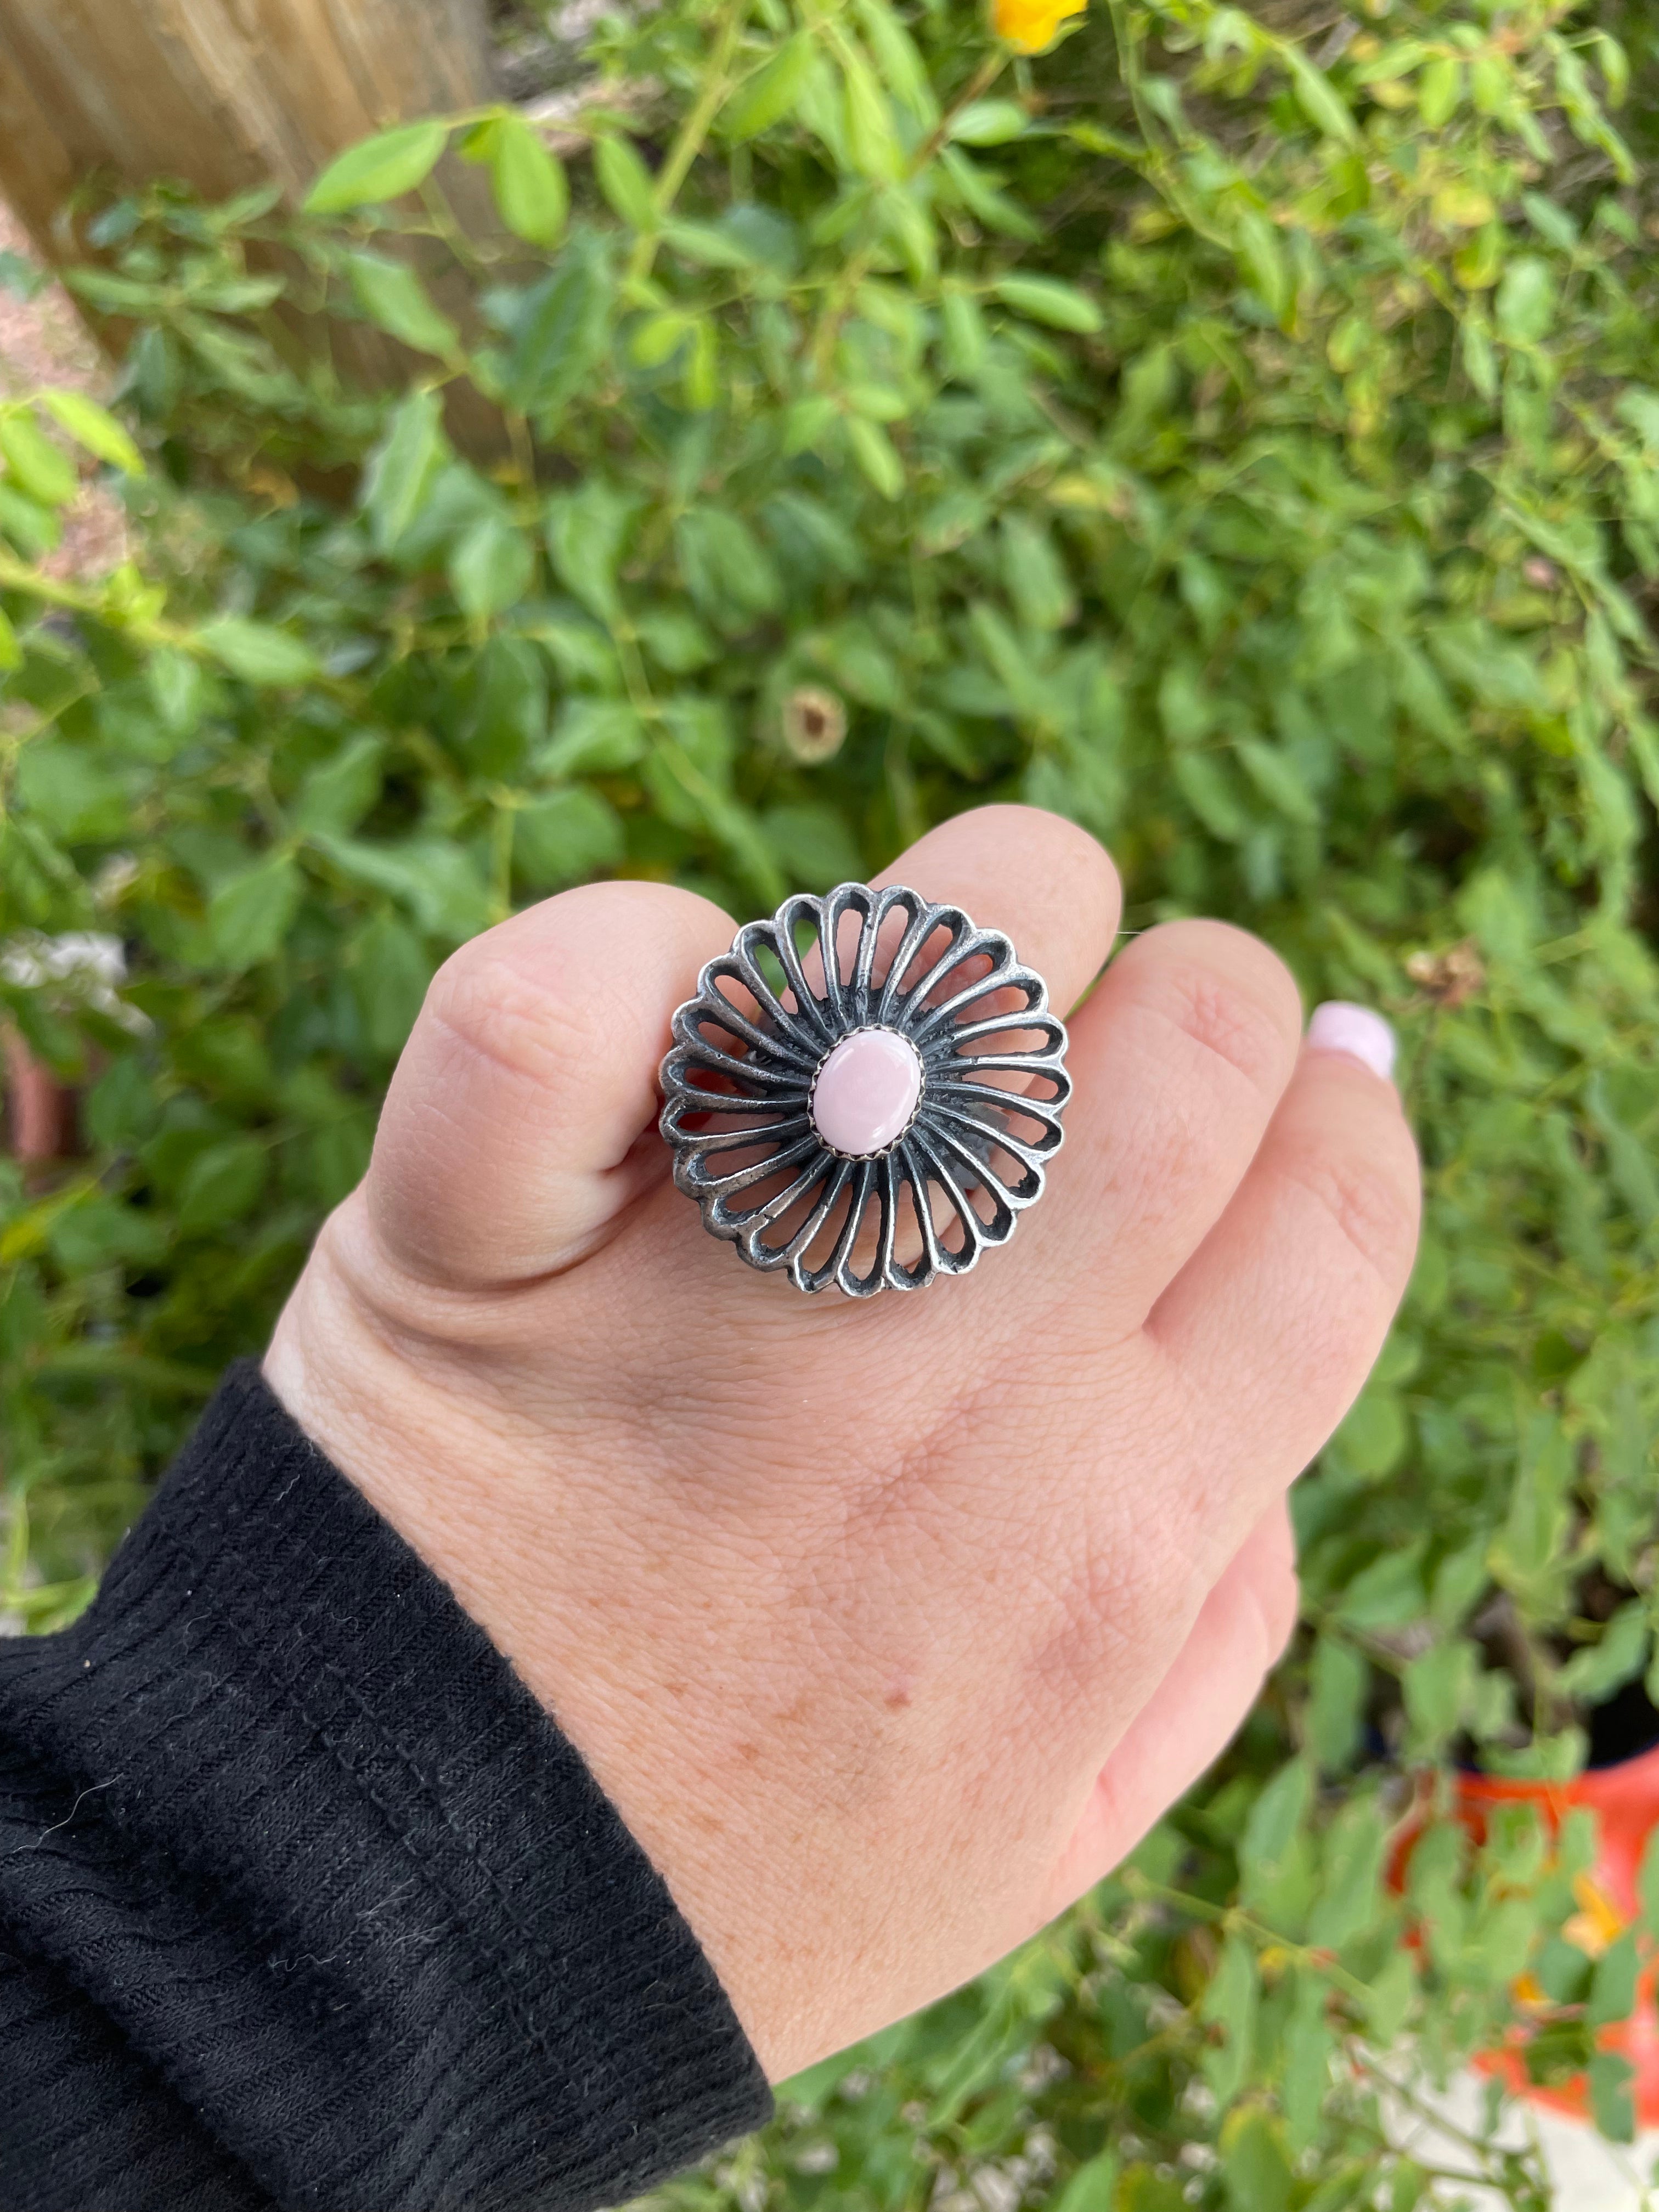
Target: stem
column 690, row 137
column 845, row 290
column 1409, row 2098
column 144, row 630
column 1231, row 1920
column 148, row 630
column 1160, row 163
column 977, row 85
column 501, row 857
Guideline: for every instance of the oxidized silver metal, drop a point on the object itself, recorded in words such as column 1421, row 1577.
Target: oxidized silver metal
column 740, row 1076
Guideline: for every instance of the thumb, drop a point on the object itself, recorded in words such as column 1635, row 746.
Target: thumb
column 510, row 1134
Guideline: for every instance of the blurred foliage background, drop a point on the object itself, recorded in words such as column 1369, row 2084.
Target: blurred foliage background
column 1232, row 427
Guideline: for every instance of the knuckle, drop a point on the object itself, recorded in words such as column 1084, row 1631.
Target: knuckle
column 1118, row 1607
column 492, row 1012
column 1370, row 1195
column 1242, row 1012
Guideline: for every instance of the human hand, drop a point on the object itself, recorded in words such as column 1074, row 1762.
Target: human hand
column 888, row 1625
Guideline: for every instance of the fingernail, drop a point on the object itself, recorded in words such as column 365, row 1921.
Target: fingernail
column 1337, row 1026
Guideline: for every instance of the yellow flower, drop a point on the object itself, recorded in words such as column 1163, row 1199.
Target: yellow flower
column 1030, row 27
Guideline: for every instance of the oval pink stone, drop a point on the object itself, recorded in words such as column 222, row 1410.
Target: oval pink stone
column 866, row 1091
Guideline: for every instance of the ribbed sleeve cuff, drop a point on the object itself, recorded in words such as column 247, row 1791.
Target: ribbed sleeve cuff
column 326, row 1865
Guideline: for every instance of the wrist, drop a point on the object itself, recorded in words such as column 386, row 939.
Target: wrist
column 557, row 1538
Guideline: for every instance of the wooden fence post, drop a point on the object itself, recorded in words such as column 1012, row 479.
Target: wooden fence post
column 223, row 94
column 230, row 94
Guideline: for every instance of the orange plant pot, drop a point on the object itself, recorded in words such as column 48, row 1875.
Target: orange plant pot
column 1624, row 1798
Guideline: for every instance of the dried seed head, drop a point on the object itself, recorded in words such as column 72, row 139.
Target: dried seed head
column 1450, row 978
column 814, row 725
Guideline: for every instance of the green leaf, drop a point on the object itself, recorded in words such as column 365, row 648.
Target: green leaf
column 96, row 429
column 392, row 296
column 658, row 338
column 1613, row 1985
column 1525, row 307
column 492, row 569
column 1594, row 1672
column 899, row 66
column 1262, row 253
column 258, row 653
column 1390, row 1998
column 988, row 123
column 1387, row 1591
column 77, row 794
column 675, row 640
column 403, row 469
column 438, row 881
column 1257, row 2170
column 390, row 971
column 872, row 144
column 94, row 1234
column 530, row 184
column 40, row 468
column 500, row 705
column 1229, row 2001
column 1318, row 98
column 1340, row 1681
column 1045, row 300
column 1439, row 88
column 560, row 333
column 1203, row 781
column 337, row 793
column 1144, row 2189
column 250, row 913
column 1276, row 1815
column 875, row 454
column 815, row 845
column 626, row 183
column 1310, row 2045
column 726, row 566
column 11, row 649
column 771, row 94
column 1435, row 1686
column 994, row 209
column 1034, row 576
column 964, row 332
column 223, row 1184
column 1279, row 780
column 1092, row 2188
column 34, row 529
column 593, row 737
column 708, row 246
column 588, row 532
column 1611, row 2106
column 383, row 167
column 1374, row 1437
column 566, row 838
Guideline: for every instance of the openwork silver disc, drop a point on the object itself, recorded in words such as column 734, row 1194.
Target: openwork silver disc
column 739, row 1091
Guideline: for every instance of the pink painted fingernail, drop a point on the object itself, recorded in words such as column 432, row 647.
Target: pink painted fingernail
column 1337, row 1026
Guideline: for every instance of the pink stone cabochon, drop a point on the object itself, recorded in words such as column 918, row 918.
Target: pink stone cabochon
column 866, row 1091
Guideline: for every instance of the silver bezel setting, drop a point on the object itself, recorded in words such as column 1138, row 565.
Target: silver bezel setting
column 766, row 1063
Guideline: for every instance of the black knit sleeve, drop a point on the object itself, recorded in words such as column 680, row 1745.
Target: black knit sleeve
column 304, row 1901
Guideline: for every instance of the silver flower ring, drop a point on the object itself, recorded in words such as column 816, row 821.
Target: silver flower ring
column 804, row 1089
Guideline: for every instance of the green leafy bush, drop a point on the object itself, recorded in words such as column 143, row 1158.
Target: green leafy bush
column 1240, row 441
